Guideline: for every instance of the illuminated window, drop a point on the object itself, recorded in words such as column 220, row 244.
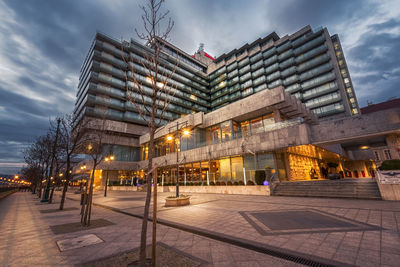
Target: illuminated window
column 193, row 97
column 355, row 111
column 338, row 54
column 245, row 126
column 215, row 134
column 352, row 100
column 336, row 45
column 346, row 80
column 349, row 90
column 341, row 62
column 257, row 126
column 343, row 72
column 226, row 131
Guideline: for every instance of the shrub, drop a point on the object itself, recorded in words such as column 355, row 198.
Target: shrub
column 218, row 183
column 250, row 182
column 240, row 183
column 260, row 177
column 388, row 165
column 236, row 183
column 222, row 183
column 212, row 183
column 229, row 183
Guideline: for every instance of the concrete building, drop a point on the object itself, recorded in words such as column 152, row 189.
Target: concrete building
column 271, row 131
column 282, row 106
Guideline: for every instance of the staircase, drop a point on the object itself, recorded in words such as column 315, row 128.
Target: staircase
column 344, row 188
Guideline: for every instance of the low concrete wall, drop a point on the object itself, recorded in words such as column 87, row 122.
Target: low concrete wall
column 389, row 184
column 260, row 190
column 390, row 191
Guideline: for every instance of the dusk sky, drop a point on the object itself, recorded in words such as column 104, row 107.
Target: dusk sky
column 44, row 42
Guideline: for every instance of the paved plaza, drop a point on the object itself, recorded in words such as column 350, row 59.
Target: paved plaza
column 218, row 230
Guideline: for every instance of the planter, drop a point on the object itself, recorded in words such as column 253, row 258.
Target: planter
column 176, row 202
column 389, row 184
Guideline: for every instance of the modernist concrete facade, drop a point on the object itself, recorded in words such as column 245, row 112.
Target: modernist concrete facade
column 298, row 145
column 285, row 106
column 309, row 64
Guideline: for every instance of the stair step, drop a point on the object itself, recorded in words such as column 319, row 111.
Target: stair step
column 365, row 189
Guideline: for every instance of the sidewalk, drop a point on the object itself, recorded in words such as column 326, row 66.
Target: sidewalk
column 335, row 231
column 26, row 238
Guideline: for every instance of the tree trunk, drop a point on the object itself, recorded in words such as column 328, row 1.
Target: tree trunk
column 86, row 219
column 40, row 191
column 51, row 194
column 65, row 187
column 64, row 192
column 143, row 237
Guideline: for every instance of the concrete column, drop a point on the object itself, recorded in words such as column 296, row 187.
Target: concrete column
column 393, row 144
column 277, row 116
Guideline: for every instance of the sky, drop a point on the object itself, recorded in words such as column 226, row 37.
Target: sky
column 44, row 42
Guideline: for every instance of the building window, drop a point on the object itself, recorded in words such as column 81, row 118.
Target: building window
column 256, row 126
column 245, row 126
column 387, row 154
column 226, row 130
column 338, row 54
column 215, row 134
column 376, row 153
column 336, row 45
column 355, row 111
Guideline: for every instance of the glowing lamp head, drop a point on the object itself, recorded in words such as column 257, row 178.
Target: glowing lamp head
column 111, row 157
column 186, row 132
column 169, row 138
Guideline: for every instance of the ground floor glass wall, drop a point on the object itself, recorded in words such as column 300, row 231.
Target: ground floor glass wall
column 229, row 170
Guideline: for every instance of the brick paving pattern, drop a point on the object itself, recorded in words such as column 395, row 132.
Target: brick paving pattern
column 26, row 238
column 221, row 214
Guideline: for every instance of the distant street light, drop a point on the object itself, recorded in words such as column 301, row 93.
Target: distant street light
column 108, row 160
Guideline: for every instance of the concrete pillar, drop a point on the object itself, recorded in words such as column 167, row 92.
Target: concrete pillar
column 277, row 116
column 393, row 144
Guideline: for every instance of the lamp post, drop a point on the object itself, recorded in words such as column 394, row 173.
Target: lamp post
column 180, row 131
column 108, row 160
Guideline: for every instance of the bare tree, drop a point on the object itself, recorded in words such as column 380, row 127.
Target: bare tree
column 38, row 155
column 33, row 174
column 94, row 146
column 150, row 110
column 73, row 138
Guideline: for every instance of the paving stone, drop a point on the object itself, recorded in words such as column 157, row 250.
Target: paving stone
column 78, row 242
column 22, row 222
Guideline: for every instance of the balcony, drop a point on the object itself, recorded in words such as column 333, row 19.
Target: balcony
column 309, row 45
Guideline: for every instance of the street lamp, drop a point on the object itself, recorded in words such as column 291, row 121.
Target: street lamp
column 181, row 130
column 108, row 160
